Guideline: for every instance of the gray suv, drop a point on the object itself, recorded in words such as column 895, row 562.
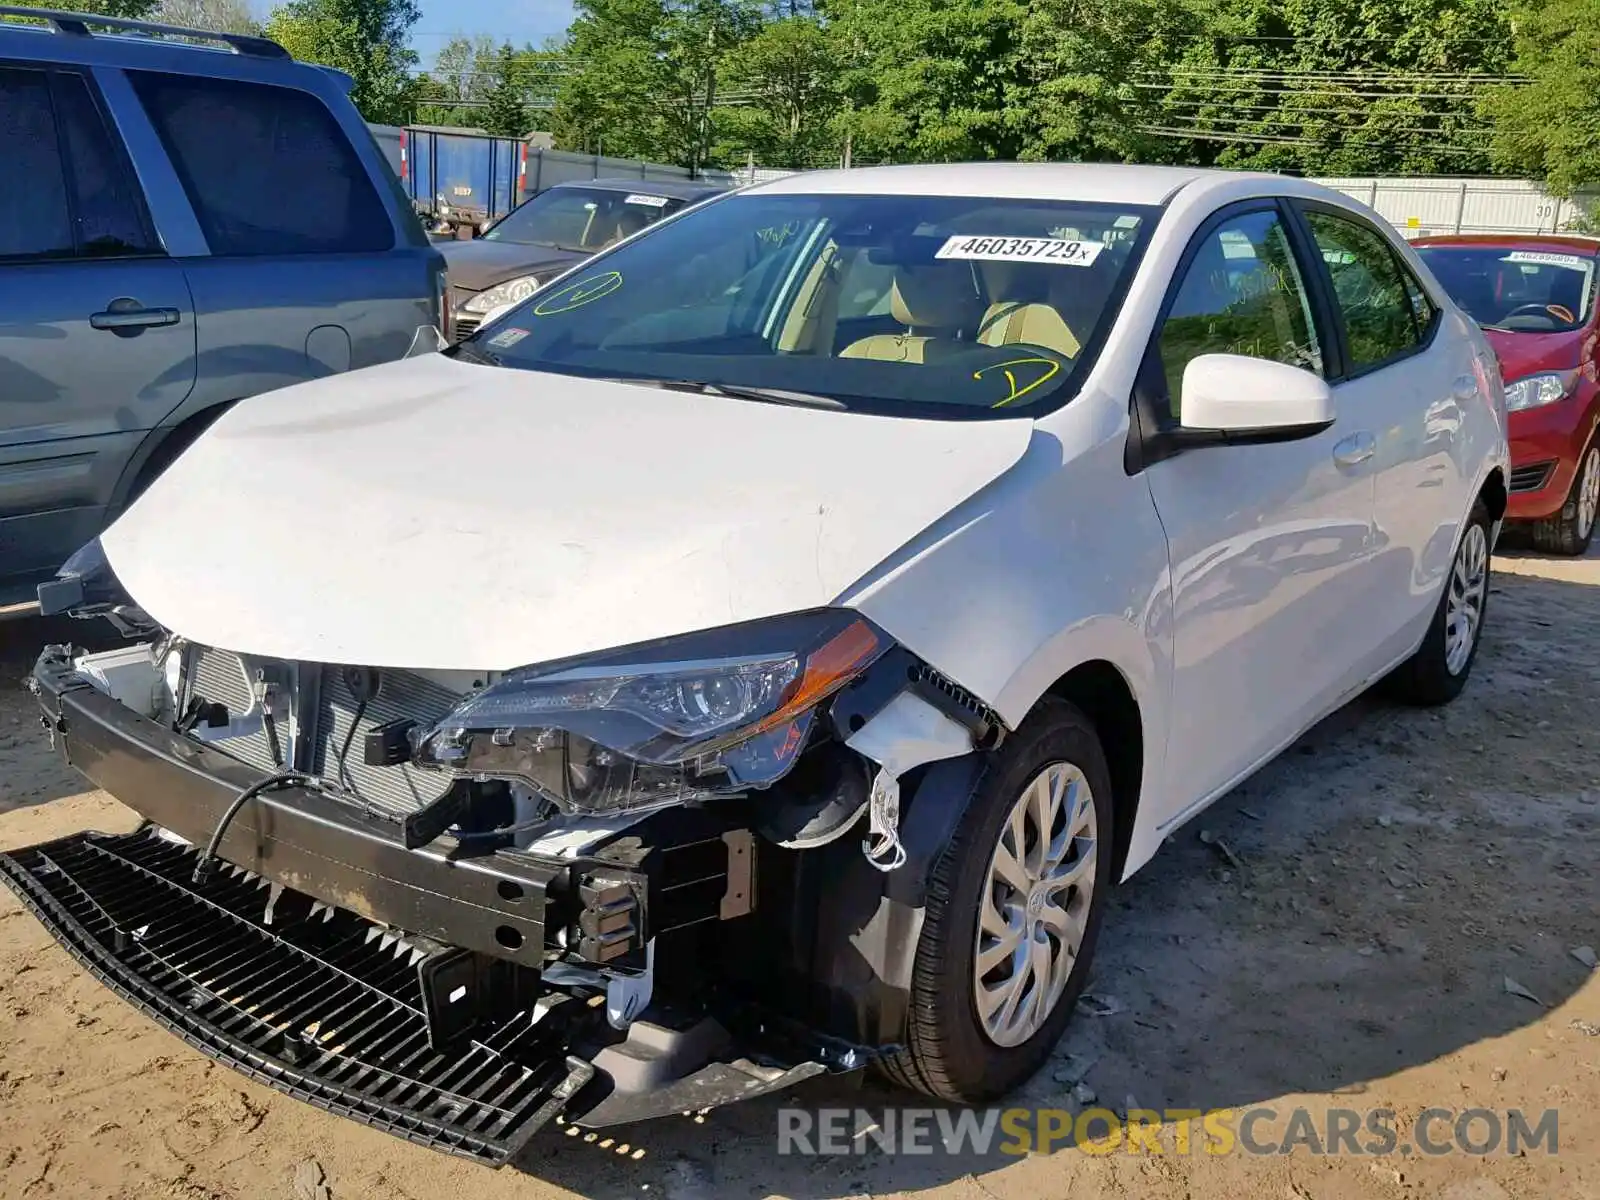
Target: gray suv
column 181, row 226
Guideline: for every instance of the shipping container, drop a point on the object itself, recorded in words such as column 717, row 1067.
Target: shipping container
column 464, row 177
column 388, row 139
column 459, row 177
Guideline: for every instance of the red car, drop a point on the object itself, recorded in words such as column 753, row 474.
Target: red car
column 1535, row 298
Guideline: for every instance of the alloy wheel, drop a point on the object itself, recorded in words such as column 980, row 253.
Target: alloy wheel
column 1469, row 585
column 1588, row 491
column 1035, row 904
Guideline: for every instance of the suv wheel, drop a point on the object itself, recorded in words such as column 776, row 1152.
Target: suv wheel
column 1013, row 910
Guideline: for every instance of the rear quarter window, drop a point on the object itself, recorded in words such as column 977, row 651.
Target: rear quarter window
column 267, row 169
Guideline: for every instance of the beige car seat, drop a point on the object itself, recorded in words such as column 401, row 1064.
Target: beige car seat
column 1018, row 319
column 939, row 305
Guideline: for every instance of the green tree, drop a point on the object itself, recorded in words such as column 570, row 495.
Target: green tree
column 611, row 101
column 220, row 16
column 366, row 39
column 1338, row 86
column 506, row 114
column 454, row 90
column 700, row 36
column 781, row 99
column 646, row 74
column 138, row 10
column 932, row 80
column 1550, row 127
column 1089, row 65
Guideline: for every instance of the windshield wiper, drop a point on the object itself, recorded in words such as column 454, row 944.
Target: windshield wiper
column 738, row 392
column 470, row 352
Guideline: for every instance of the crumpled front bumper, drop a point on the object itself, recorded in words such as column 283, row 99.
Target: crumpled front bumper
column 288, row 966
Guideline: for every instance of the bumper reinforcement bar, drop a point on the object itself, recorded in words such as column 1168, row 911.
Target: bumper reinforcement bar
column 317, row 1004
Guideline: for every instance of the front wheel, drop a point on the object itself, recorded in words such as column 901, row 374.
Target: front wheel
column 1013, row 911
column 1438, row 671
column 1570, row 530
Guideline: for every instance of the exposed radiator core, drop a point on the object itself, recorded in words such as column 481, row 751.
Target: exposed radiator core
column 394, row 791
column 222, row 677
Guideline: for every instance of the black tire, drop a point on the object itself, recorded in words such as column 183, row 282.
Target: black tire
column 947, row 1054
column 1570, row 530
column 1426, row 679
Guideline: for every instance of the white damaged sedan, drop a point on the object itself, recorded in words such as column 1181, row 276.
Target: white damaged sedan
column 760, row 652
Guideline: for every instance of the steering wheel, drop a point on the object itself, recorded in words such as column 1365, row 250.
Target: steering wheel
column 1559, row 311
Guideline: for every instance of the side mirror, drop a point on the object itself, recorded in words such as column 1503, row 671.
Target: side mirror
column 1231, row 399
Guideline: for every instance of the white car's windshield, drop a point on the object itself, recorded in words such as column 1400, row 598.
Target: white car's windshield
column 932, row 305
column 1534, row 291
column 587, row 219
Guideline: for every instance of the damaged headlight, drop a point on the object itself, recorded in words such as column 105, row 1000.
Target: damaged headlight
column 688, row 718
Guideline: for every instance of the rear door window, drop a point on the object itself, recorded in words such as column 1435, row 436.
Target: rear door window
column 34, row 219
column 268, row 169
column 107, row 207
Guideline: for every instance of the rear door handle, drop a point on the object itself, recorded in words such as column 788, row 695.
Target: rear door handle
column 1355, row 449
column 117, row 318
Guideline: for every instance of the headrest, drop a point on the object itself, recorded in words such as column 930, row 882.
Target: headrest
column 935, row 296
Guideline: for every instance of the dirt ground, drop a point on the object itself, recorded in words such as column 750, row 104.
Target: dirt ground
column 1341, row 937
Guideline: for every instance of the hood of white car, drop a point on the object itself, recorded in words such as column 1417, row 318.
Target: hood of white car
column 436, row 514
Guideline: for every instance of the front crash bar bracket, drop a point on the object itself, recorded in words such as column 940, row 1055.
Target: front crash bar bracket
column 901, row 671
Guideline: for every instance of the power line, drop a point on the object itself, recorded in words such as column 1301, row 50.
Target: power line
column 1276, row 91
column 1356, row 76
column 1202, row 135
column 1309, row 37
column 1289, row 110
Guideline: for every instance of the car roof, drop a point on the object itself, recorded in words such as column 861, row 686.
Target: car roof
column 1092, row 182
column 88, row 39
column 1514, row 241
column 673, row 188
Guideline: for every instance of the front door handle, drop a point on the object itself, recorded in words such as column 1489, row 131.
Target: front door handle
column 1355, row 449
column 126, row 315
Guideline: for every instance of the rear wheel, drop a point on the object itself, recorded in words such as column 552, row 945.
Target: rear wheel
column 1571, row 529
column 1438, row 671
column 1013, row 912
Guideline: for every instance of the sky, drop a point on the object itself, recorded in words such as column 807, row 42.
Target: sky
column 514, row 21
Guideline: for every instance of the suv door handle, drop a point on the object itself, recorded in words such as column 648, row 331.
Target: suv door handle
column 1355, row 449
column 130, row 314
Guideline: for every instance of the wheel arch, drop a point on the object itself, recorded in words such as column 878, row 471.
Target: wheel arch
column 160, row 448
column 1105, row 696
column 1494, row 495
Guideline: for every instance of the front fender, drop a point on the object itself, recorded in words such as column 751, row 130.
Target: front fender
column 1061, row 562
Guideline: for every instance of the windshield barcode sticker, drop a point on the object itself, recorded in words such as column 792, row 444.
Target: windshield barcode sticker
column 1571, row 261
column 648, row 201
column 1059, row 251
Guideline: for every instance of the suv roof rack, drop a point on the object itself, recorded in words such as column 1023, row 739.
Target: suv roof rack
column 77, row 24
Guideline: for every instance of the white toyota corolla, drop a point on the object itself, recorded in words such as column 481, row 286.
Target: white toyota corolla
column 761, row 651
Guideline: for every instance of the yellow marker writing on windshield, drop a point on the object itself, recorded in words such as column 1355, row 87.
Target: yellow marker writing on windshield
column 1053, row 369
column 576, row 295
